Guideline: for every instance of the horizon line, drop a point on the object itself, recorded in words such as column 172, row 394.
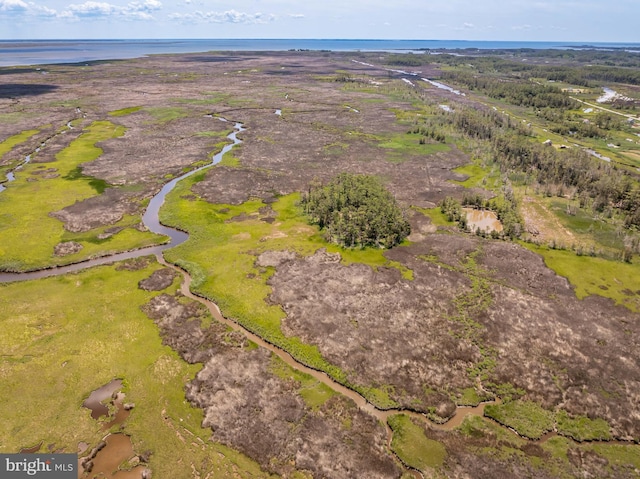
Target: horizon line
column 584, row 42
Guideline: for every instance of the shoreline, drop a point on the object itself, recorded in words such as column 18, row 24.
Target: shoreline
column 32, row 52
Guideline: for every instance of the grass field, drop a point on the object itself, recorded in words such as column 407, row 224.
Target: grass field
column 611, row 279
column 412, row 446
column 63, row 337
column 28, row 234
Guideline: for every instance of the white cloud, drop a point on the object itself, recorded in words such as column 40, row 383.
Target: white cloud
column 92, row 9
column 13, row 6
column 297, row 16
column 468, row 25
column 230, row 16
column 19, row 7
column 132, row 11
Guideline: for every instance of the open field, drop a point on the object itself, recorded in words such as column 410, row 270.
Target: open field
column 446, row 319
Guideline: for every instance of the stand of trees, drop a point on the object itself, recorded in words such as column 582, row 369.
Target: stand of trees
column 599, row 185
column 515, row 91
column 356, row 211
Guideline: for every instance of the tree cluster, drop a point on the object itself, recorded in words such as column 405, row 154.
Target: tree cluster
column 515, row 91
column 356, row 211
column 599, row 185
column 584, row 68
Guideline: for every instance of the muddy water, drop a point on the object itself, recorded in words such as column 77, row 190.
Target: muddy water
column 31, row 450
column 95, row 401
column 107, row 462
column 117, row 448
column 485, row 220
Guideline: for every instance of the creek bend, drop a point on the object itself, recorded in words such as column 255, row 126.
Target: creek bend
column 152, row 222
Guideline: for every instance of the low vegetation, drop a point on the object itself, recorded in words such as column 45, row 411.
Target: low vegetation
column 412, row 446
column 530, row 420
column 66, row 336
column 526, row 417
column 41, row 189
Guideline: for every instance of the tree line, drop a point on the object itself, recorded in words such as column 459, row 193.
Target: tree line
column 598, row 185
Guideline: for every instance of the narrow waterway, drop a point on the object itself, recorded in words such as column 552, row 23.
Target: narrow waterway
column 150, row 219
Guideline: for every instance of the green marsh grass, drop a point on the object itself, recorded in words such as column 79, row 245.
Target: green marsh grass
column 412, row 446
column 591, row 275
column 8, row 144
column 125, row 111
column 582, row 428
column 619, row 454
column 526, row 417
column 313, row 392
column 28, row 234
column 163, row 114
column 479, row 176
column 64, row 337
column 402, row 147
column 587, row 228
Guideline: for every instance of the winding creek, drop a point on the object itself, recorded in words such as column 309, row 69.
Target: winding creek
column 152, row 222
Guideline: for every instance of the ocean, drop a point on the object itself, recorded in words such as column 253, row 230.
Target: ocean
column 37, row 52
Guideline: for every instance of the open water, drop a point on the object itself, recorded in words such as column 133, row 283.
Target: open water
column 36, row 52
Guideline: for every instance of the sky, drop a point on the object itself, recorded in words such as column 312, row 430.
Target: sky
column 509, row 20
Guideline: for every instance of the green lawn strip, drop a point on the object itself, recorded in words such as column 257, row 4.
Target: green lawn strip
column 611, row 279
column 526, row 417
column 220, row 255
column 412, row 446
column 65, row 336
column 28, row 234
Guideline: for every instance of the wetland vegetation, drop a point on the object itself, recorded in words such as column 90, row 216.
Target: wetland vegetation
column 535, row 322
